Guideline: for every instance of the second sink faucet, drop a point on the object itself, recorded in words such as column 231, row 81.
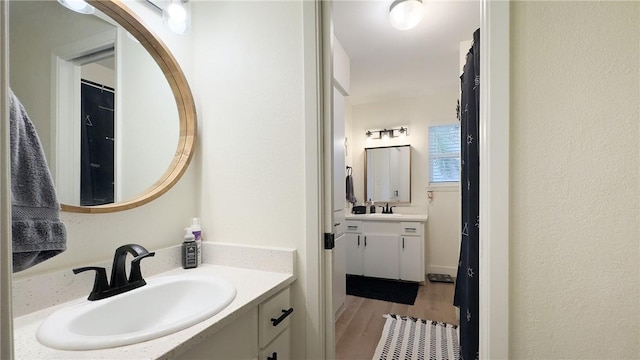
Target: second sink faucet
column 119, row 281
column 386, row 209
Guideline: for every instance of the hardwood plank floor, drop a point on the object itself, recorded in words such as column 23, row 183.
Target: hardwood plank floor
column 359, row 327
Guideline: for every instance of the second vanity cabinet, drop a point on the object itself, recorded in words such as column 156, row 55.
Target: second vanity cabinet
column 262, row 333
column 386, row 249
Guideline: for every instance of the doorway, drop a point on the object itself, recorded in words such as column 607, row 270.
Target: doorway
column 494, row 177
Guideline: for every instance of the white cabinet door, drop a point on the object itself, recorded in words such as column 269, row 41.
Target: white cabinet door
column 380, row 256
column 238, row 341
column 339, row 273
column 354, row 244
column 411, row 267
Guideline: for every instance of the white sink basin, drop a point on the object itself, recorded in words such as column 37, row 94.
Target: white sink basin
column 163, row 306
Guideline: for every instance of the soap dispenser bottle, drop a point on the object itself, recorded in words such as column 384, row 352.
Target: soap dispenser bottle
column 189, row 250
column 197, row 234
column 372, row 208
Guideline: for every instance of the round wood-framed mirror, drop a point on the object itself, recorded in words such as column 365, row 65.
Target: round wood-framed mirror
column 126, row 18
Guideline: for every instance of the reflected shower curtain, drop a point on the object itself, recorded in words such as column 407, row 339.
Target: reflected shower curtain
column 97, row 144
column 467, row 286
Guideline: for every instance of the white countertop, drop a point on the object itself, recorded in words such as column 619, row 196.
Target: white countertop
column 387, row 217
column 253, row 287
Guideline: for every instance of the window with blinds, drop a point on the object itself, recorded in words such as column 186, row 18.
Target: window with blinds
column 444, row 154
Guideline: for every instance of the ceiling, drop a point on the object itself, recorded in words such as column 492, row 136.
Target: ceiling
column 387, row 63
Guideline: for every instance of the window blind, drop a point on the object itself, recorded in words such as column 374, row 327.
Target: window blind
column 444, row 153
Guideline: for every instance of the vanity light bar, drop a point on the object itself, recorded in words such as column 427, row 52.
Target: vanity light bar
column 387, row 133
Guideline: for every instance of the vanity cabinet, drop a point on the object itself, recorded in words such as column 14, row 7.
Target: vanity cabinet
column 410, row 258
column 353, row 245
column 380, row 256
column 386, row 249
column 262, row 333
column 274, row 336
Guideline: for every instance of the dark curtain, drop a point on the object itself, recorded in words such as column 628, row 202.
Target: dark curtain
column 467, row 287
column 97, row 145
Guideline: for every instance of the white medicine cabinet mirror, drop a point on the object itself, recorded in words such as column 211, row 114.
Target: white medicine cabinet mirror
column 388, row 174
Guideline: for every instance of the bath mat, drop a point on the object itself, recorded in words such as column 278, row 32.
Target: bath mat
column 382, row 289
column 405, row 337
column 445, row 278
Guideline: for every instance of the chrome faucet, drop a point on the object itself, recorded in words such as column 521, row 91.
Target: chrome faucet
column 119, row 281
column 386, row 209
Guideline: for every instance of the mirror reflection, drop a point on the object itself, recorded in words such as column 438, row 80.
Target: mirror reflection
column 103, row 109
column 388, row 174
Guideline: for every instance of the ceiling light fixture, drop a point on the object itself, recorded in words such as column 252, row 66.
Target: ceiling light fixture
column 387, row 133
column 79, row 6
column 406, row 14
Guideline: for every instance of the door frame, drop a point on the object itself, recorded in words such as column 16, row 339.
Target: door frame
column 494, row 173
column 494, row 179
column 6, row 264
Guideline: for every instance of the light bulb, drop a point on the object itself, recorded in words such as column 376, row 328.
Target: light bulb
column 177, row 17
column 178, row 27
column 406, row 14
column 79, row 6
column 177, row 12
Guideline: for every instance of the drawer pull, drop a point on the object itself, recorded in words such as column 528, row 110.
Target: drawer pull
column 273, row 356
column 403, row 243
column 336, row 224
column 358, row 240
column 352, row 227
column 410, row 229
column 284, row 315
column 365, row 241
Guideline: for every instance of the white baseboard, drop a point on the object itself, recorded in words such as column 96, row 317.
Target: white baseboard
column 450, row 270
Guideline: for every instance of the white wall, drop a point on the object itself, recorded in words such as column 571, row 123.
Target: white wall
column 574, row 227
column 443, row 227
column 249, row 64
column 94, row 237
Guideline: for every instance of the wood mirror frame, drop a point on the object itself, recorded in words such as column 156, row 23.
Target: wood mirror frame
column 126, row 18
column 366, row 175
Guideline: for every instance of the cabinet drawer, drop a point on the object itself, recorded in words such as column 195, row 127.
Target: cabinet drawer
column 354, row 227
column 275, row 315
column 410, row 228
column 279, row 349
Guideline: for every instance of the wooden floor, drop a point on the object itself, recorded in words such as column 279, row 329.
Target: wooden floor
column 359, row 327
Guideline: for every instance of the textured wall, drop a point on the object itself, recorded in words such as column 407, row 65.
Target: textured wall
column 250, row 95
column 574, row 288
column 249, row 61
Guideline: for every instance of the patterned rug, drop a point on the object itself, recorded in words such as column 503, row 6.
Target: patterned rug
column 406, row 337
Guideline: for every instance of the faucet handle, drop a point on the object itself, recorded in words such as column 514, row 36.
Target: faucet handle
column 391, row 209
column 136, row 274
column 100, row 284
